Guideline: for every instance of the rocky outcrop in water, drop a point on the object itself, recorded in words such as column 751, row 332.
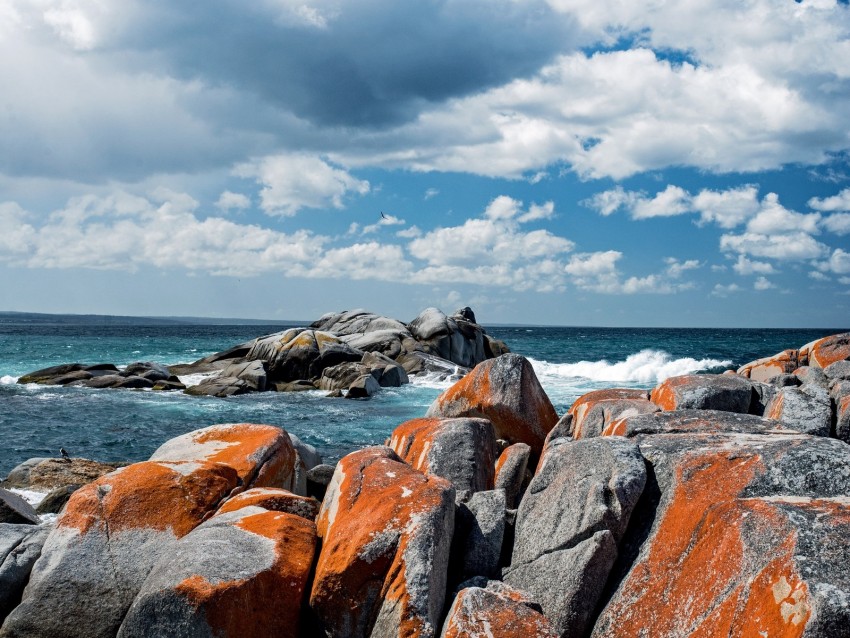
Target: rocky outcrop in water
column 713, row 505
column 355, row 352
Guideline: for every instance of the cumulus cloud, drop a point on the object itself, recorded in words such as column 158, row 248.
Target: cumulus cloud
column 598, row 272
column 296, row 181
column 228, row 201
column 775, row 218
column 788, row 247
column 721, row 290
column 385, row 220
column 762, row 283
column 838, row 223
column 839, row 202
column 746, row 266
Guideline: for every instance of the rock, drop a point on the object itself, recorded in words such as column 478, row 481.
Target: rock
column 301, row 385
column 461, row 450
column 510, row 472
column 262, row 455
column 494, row 347
column 694, row 422
column 46, row 374
column 479, row 532
column 424, row 363
column 563, row 430
column 213, row 362
column 464, row 313
column 838, row 370
column 806, row 409
column 71, row 378
column 341, row 376
column 505, row 391
column 300, row 354
column 15, row 510
column 363, row 387
column 20, row 547
column 491, row 609
column 842, row 418
column 168, row 386
column 823, row 352
column 45, row 474
column 595, row 410
column 255, row 590
column 131, row 382
column 744, row 535
column 811, row 376
column 273, row 499
column 148, row 370
column 56, row 499
column 318, row 479
column 764, row 369
column 386, row 531
column 218, row 386
column 134, row 516
column 306, row 458
column 454, row 339
column 392, row 374
column 785, row 381
column 356, row 322
column 251, row 372
column 726, row 392
column 763, row 394
column 570, row 523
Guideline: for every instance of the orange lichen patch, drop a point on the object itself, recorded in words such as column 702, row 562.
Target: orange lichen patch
column 774, row 410
column 362, row 561
column 150, row 495
column 664, row 395
column 243, row 445
column 688, row 568
column 507, row 454
column 274, row 499
column 828, row 350
column 324, row 339
column 618, row 427
column 267, row 603
column 607, row 410
column 306, row 339
column 504, row 615
column 763, row 369
column 412, row 439
column 586, row 401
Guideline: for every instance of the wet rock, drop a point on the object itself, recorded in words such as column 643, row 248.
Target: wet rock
column 386, row 531
column 569, row 525
column 341, row 376
column 53, row 372
column 726, row 392
column 20, row 547
column 306, row 458
column 134, row 516
column 363, row 387
column 741, row 539
column 255, row 590
column 511, row 468
column 148, row 370
column 77, row 377
column 45, row 474
column 273, row 499
column 15, row 510
column 220, row 387
column 505, row 391
column 492, row 609
column 251, row 372
column 301, row 385
column 461, row 450
column 765, row 369
column 823, row 352
column 262, row 455
column 318, row 479
column 452, row 338
column 56, row 499
column 166, row 386
column 806, row 409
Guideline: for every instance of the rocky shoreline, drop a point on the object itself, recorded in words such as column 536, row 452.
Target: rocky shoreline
column 352, row 353
column 711, row 505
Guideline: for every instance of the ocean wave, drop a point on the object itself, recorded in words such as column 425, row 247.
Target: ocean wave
column 646, row 366
column 8, row 380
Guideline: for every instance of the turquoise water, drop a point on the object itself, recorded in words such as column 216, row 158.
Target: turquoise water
column 130, row 424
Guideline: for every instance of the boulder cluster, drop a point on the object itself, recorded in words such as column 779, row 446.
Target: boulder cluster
column 712, row 505
column 352, row 353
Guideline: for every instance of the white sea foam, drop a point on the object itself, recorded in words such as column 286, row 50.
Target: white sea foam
column 30, row 496
column 437, row 380
column 646, row 366
column 195, row 379
column 8, row 380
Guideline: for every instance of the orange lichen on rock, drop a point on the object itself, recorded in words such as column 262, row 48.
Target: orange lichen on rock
column 267, row 603
column 274, row 499
column 506, row 391
column 412, row 439
column 150, row 495
column 784, row 362
column 664, row 394
column 825, row 351
column 588, row 399
column 385, row 532
column 593, row 411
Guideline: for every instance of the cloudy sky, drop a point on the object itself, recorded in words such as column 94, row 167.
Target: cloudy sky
column 572, row 162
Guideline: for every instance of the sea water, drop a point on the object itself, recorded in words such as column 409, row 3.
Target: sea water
column 129, row 425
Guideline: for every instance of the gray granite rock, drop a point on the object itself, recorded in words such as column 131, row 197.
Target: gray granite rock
column 838, row 370
column 14, row 509
column 510, row 472
column 251, row 372
column 479, row 532
column 363, row 387
column 806, row 409
column 20, row 547
column 726, row 392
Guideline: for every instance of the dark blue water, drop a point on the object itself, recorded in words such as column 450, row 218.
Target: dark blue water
column 129, row 424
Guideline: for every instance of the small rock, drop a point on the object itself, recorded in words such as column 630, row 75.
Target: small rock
column 14, row 509
column 318, row 479
column 510, row 472
column 806, row 409
column 838, row 370
column 479, row 532
column 273, row 499
column 20, row 547
column 363, row 387
column 729, row 393
column 56, row 499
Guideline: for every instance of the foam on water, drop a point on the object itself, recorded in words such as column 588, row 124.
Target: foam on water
column 8, row 379
column 644, row 367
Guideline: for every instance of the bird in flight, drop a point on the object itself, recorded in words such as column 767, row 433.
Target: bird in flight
column 383, row 216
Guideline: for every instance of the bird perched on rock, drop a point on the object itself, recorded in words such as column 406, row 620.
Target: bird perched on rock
column 64, row 454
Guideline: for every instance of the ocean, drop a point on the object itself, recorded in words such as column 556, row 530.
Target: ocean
column 128, row 425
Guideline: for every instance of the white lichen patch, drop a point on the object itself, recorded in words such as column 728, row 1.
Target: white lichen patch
column 793, row 603
column 405, row 493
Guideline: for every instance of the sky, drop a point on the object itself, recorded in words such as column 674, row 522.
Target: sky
column 558, row 162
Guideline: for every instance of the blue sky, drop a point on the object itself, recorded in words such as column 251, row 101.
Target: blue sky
column 569, row 162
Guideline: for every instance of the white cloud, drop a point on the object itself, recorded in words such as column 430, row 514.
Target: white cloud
column 775, row 218
column 228, row 201
column 839, row 262
column 720, row 290
column 791, row 247
column 675, row 268
column 385, row 220
column 746, row 266
column 669, row 202
column 838, row 223
column 409, row 233
column 598, row 272
column 431, row 193
column 762, row 283
column 294, row 181
column 818, row 276
column 610, row 201
column 372, row 260
column 727, row 208
column 839, row 202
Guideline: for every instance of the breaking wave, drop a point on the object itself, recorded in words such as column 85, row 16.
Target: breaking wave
column 646, row 366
